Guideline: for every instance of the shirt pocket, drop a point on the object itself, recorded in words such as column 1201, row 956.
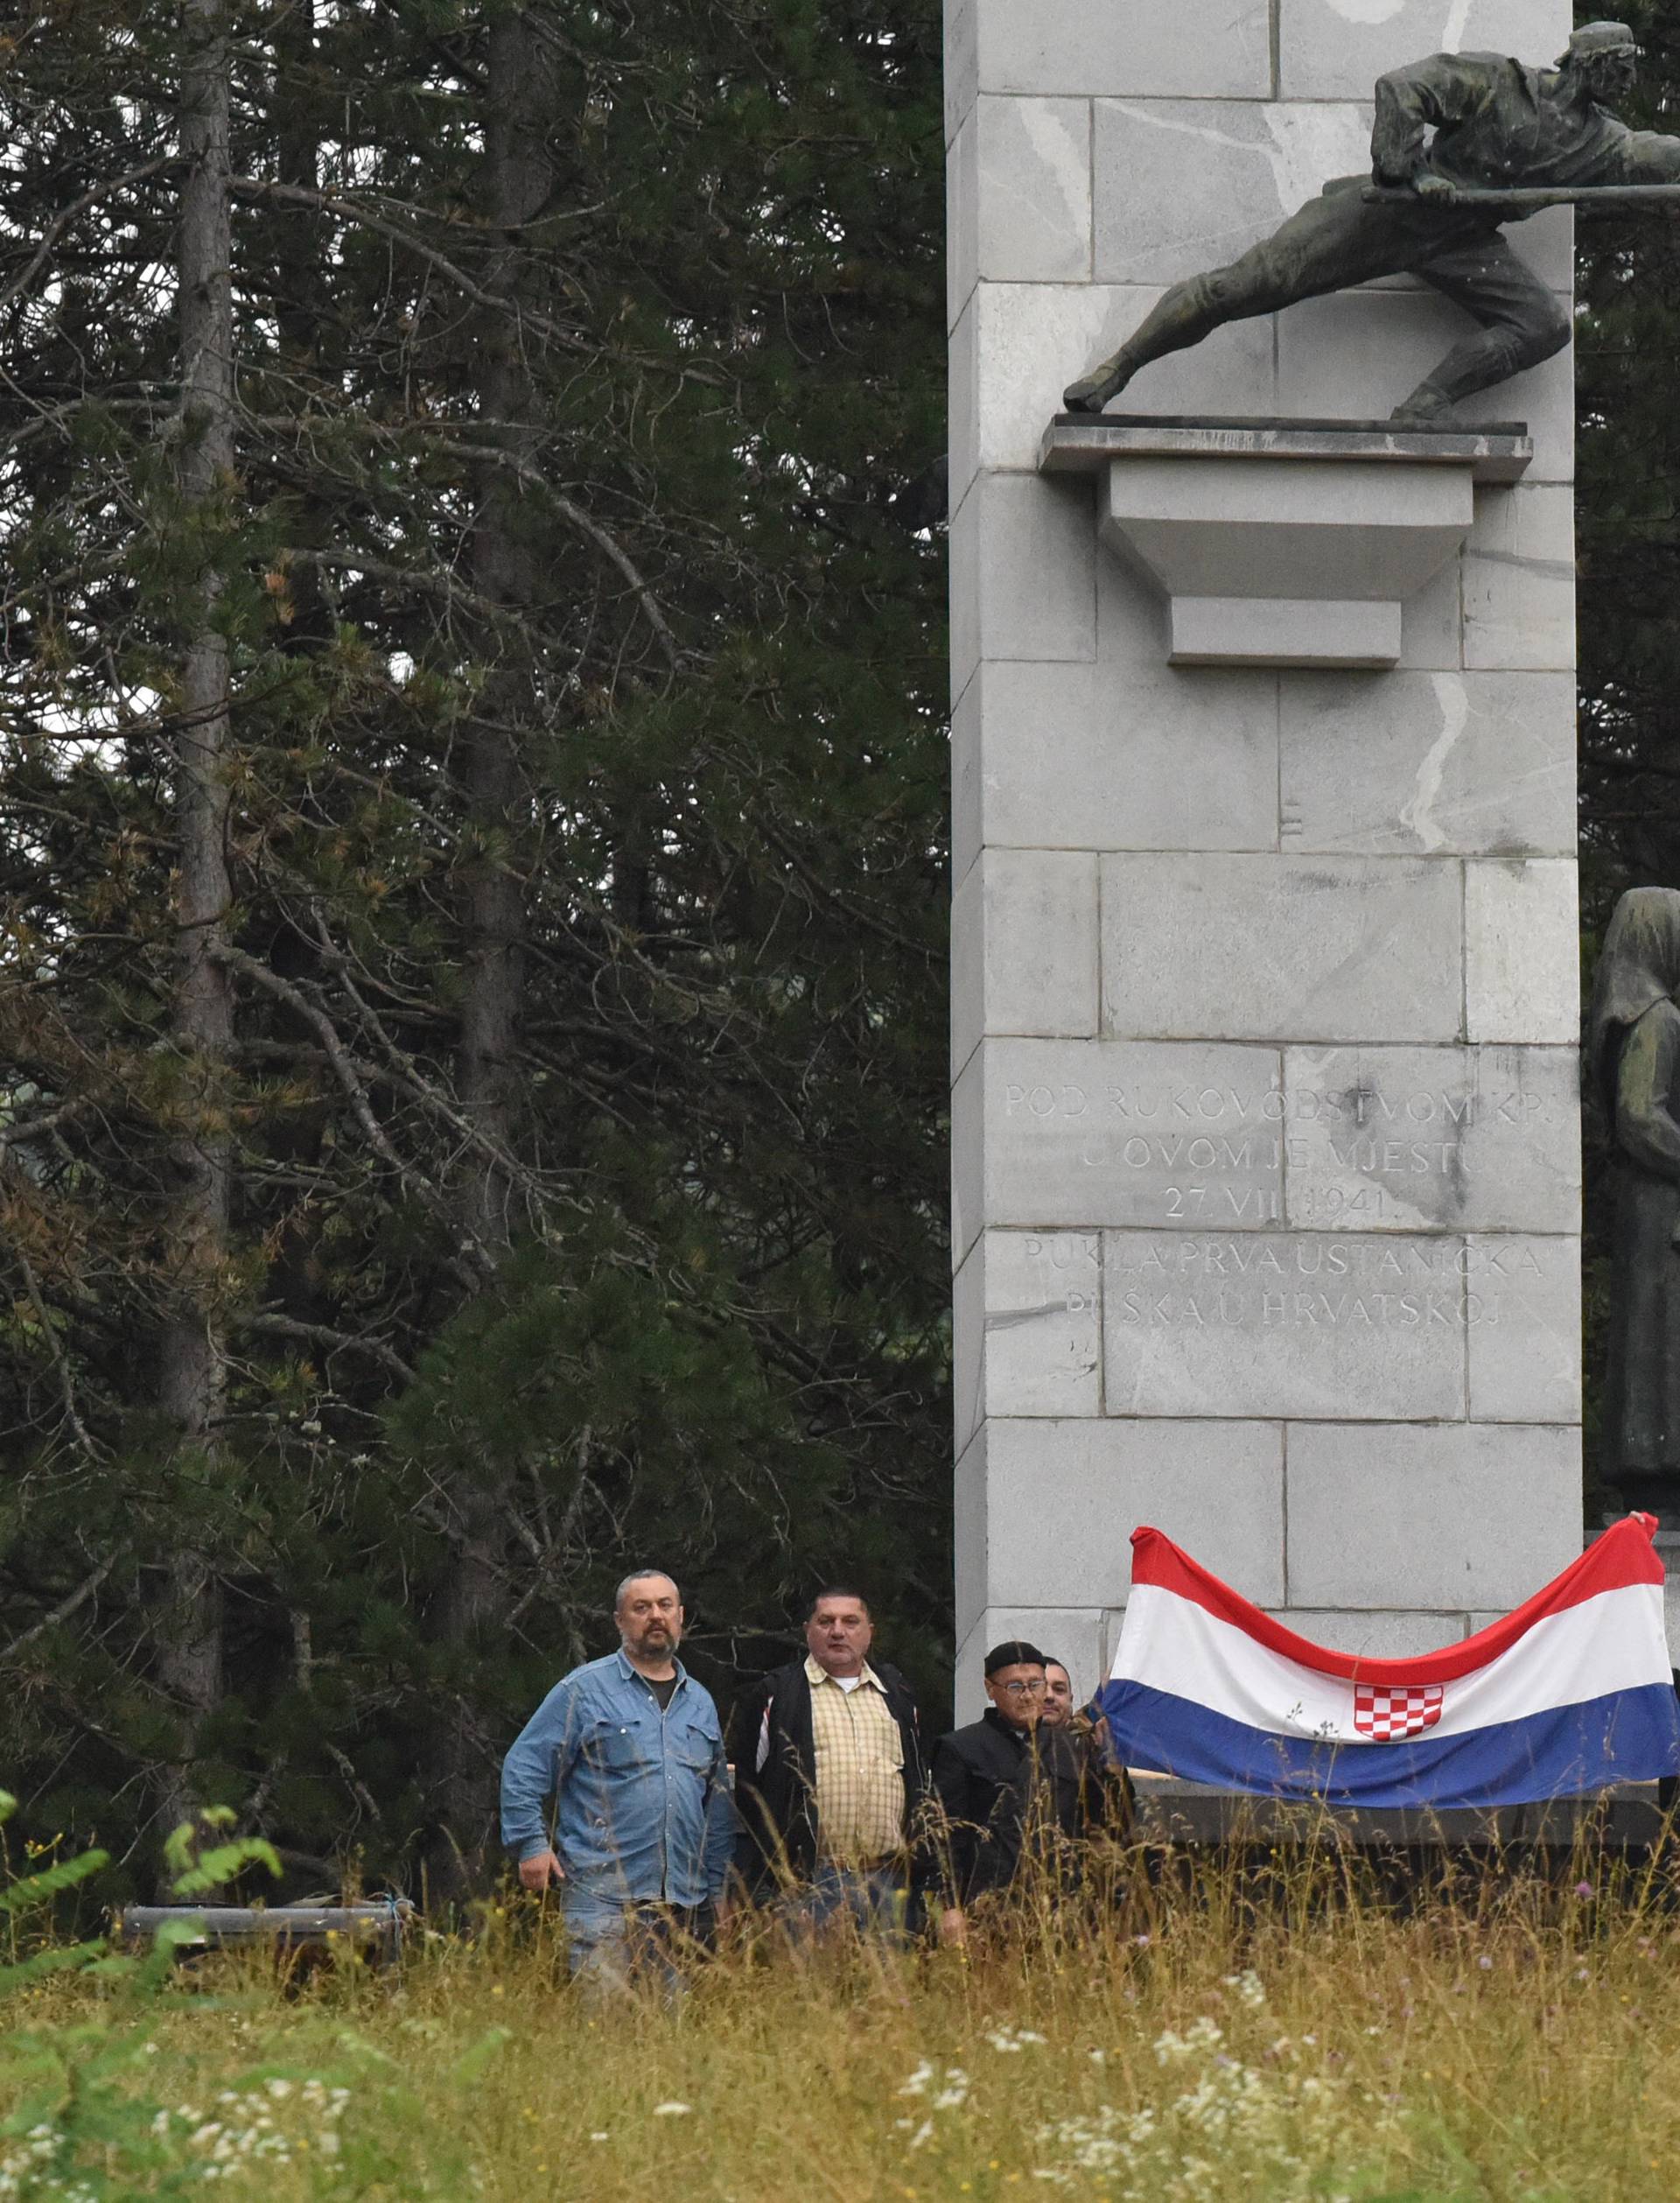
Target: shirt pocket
column 693, row 1744
column 621, row 1750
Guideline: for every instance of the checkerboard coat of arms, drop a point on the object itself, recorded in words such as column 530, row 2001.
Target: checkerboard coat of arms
column 1384, row 1712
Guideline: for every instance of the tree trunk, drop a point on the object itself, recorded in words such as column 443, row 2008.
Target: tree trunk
column 193, row 1358
column 518, row 180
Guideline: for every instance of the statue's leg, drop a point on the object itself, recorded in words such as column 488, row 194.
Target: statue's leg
column 1255, row 284
column 1333, row 241
column 1521, row 324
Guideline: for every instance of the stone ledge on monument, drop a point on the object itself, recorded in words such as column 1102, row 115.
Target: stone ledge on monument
column 1285, row 542
column 1085, row 442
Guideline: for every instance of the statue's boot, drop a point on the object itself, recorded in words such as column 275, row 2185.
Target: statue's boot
column 1427, row 404
column 1092, row 392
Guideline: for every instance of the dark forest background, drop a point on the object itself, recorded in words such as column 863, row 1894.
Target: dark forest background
column 473, row 880
column 472, row 873
column 1627, row 522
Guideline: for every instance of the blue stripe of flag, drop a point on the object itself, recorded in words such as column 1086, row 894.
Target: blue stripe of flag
column 1628, row 1736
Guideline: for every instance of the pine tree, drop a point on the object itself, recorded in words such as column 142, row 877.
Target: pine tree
column 582, row 784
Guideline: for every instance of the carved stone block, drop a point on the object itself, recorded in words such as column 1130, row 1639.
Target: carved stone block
column 1073, row 756
column 1282, row 948
column 1220, row 179
column 1388, row 1516
column 1024, row 947
column 1432, row 1139
column 1522, row 951
column 1216, row 1486
column 1071, row 1133
column 1296, row 1325
column 1426, row 764
column 1525, row 1367
column 1027, row 1327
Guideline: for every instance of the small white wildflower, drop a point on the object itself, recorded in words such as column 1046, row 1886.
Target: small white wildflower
column 955, row 2094
column 917, row 2083
column 923, row 2133
column 672, row 2110
column 1248, row 1988
column 601, row 2137
column 279, row 2089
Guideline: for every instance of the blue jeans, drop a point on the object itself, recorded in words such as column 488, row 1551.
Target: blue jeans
column 873, row 1899
column 613, row 1948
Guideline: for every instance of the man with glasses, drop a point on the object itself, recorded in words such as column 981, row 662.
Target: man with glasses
column 1011, row 1792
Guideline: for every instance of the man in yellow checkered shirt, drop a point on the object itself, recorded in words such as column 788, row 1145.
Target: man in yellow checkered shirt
column 830, row 1775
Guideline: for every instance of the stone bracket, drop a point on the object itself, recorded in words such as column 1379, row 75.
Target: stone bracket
column 1283, row 542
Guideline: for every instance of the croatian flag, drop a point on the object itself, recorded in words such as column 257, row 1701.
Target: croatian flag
column 1571, row 1693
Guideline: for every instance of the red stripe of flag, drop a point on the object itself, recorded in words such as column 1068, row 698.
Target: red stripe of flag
column 1624, row 1554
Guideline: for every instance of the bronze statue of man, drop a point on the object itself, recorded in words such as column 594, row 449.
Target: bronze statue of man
column 1631, row 1070
column 1498, row 124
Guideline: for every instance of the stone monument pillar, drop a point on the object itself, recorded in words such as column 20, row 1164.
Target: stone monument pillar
column 1264, row 986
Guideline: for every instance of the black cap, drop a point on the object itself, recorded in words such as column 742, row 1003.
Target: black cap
column 1012, row 1652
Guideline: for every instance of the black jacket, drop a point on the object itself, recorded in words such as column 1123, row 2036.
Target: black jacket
column 777, row 1802
column 998, row 1784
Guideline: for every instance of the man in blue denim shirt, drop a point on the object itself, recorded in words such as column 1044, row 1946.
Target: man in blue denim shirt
column 631, row 1749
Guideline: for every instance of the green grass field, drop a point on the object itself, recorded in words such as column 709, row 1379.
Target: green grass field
column 1513, row 2041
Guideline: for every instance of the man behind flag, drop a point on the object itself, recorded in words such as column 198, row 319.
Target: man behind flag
column 1570, row 1693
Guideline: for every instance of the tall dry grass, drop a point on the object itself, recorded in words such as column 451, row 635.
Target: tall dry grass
column 1264, row 2029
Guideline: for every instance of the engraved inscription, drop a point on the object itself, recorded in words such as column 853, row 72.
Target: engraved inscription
column 1390, row 1140
column 1314, row 1282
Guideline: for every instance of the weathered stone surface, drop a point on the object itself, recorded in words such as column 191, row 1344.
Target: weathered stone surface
column 961, row 219
column 962, row 59
column 1075, row 1490
column 962, row 380
column 1281, row 948
column 1337, row 49
column 1429, row 763
column 1081, row 1132
column 1431, row 623
column 1193, row 49
column 1033, row 337
column 1023, row 558
column 1023, row 946
column 1081, row 756
column 1034, row 177
column 1521, row 947
column 1432, row 1139
column 1288, row 632
column 1283, row 1324
column 1375, row 1636
column 1220, row 179
column 1525, row 1367
column 1027, row 1327
column 1519, row 578
column 1362, row 351
column 1472, row 1515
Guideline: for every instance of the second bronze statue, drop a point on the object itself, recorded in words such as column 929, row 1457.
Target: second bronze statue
column 1496, row 124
